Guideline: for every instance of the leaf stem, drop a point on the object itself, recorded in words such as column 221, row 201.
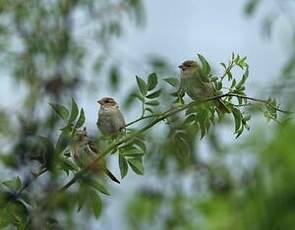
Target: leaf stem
column 228, row 69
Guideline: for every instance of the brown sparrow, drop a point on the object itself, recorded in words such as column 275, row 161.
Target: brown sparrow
column 84, row 151
column 195, row 87
column 110, row 119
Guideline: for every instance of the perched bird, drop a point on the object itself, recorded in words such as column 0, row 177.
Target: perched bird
column 195, row 87
column 84, row 151
column 110, row 119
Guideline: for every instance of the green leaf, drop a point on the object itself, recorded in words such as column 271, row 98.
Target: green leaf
column 81, row 197
column 230, row 76
column 114, row 77
column 96, row 185
column 242, row 64
column 134, row 152
column 172, row 81
column 203, row 115
column 240, row 131
column 139, row 96
column 191, row 118
column 243, row 80
column 4, row 218
column 152, row 103
column 219, row 85
column 136, row 165
column 138, row 142
column 141, row 85
column 123, row 166
column 183, row 147
column 223, row 65
column 46, row 150
column 96, row 203
column 233, row 83
column 14, row 184
column 238, row 119
column 74, row 111
column 60, row 110
column 16, row 213
column 26, row 198
column 251, row 6
column 152, row 81
column 205, row 65
column 67, row 165
column 149, row 110
column 154, row 94
column 63, row 139
column 203, row 130
column 131, row 149
column 213, row 79
column 81, row 119
column 246, row 73
column 270, row 112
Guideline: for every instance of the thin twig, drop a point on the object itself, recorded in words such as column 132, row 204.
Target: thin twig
column 228, row 69
column 140, row 119
column 258, row 100
column 28, row 184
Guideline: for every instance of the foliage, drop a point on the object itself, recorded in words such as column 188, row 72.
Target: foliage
column 131, row 146
column 49, row 187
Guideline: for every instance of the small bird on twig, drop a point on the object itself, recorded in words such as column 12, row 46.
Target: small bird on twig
column 84, row 151
column 110, row 119
column 195, row 87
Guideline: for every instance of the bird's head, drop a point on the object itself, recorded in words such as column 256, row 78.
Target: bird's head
column 188, row 65
column 107, row 102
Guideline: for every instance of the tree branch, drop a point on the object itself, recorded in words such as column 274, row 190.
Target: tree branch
column 159, row 118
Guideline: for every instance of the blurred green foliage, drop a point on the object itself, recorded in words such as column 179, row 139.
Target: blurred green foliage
column 259, row 196
column 42, row 52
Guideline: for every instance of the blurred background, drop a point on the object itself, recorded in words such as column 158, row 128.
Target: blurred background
column 53, row 50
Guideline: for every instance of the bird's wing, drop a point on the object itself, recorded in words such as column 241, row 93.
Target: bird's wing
column 121, row 119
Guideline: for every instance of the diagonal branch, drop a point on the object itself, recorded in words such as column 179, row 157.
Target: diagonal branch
column 159, row 118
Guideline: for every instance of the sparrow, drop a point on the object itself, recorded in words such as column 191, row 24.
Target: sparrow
column 84, row 151
column 195, row 87
column 110, row 119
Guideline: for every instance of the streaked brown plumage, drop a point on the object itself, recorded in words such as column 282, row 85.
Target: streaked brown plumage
column 84, row 151
column 195, row 87
column 110, row 119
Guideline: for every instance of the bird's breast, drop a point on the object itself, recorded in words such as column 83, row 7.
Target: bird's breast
column 110, row 121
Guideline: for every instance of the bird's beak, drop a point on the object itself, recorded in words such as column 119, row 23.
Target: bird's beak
column 180, row 67
column 99, row 102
